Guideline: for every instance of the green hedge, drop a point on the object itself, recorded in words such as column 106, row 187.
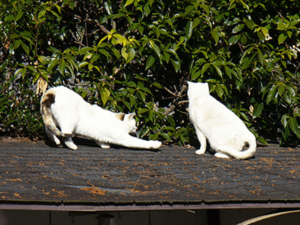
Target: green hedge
column 136, row 56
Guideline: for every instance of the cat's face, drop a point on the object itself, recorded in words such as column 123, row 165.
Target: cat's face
column 130, row 121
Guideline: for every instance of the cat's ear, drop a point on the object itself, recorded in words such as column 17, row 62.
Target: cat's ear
column 131, row 116
column 120, row 116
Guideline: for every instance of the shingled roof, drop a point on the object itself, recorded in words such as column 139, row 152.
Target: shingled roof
column 37, row 175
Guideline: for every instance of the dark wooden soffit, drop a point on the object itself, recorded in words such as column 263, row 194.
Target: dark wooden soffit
column 38, row 174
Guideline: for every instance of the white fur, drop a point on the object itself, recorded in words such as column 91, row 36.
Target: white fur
column 74, row 116
column 226, row 133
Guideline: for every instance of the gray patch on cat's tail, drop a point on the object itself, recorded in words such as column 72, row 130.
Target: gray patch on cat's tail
column 47, row 100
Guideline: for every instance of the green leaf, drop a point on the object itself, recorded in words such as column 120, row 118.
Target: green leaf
column 167, row 56
column 234, row 39
column 9, row 18
column 262, row 140
column 271, row 93
column 166, row 136
column 143, row 110
column 204, row 68
column 131, row 84
column 228, row 71
column 129, row 2
column 260, row 57
column 195, row 75
column 124, row 53
column 188, row 30
column 155, row 48
column 116, row 53
column 238, row 28
column 215, row 36
column 250, row 24
column 62, row 66
column 171, row 121
column 127, row 105
column 142, row 95
column 176, row 64
column 281, row 25
column 244, row 39
column 147, row 9
column 286, row 132
column 25, row 47
column 281, row 38
column 264, row 31
column 131, row 55
column 84, row 50
column 258, row 107
column 281, row 89
column 52, row 64
column 82, row 64
column 158, row 85
column 149, row 62
column 19, row 15
column 105, row 93
column 294, row 125
column 17, row 43
column 205, row 7
column 261, row 36
column 218, row 70
column 219, row 91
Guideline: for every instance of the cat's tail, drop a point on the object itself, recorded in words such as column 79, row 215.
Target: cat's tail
column 47, row 100
column 243, row 154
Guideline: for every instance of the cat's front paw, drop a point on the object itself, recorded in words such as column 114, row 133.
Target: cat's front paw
column 105, row 146
column 155, row 144
column 200, row 152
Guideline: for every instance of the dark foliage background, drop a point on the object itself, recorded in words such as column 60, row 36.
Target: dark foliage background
column 136, row 56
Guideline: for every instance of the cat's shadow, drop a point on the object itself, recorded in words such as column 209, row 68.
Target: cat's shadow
column 81, row 143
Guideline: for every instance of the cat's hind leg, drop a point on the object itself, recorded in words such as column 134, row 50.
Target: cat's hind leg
column 202, row 140
column 67, row 131
column 69, row 143
column 52, row 137
column 102, row 144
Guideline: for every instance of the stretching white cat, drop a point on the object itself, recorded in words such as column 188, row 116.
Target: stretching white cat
column 63, row 108
column 225, row 132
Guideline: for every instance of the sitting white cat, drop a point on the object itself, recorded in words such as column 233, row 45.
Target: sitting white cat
column 63, row 108
column 225, row 132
